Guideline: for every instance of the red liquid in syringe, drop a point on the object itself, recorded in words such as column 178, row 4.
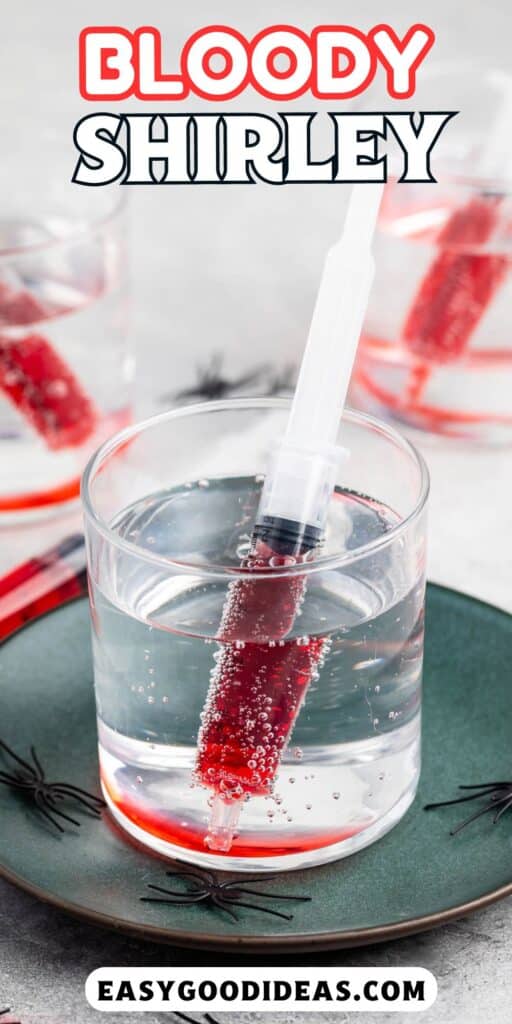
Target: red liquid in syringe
column 35, row 378
column 258, row 686
column 459, row 285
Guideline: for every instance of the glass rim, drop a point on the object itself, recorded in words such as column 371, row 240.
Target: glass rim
column 95, row 223
column 215, row 571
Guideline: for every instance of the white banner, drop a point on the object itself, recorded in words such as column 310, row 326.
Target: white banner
column 199, row 989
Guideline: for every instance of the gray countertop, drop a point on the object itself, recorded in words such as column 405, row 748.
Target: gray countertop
column 257, row 239
column 46, row 956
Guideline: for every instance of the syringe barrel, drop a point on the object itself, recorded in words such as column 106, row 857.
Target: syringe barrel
column 299, row 484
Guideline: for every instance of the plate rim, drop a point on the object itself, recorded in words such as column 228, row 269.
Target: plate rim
column 250, row 944
column 276, row 944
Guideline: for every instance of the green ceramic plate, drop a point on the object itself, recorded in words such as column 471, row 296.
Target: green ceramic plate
column 413, row 879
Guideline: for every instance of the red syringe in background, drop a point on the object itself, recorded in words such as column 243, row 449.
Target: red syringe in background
column 42, row 583
column 459, row 285
column 262, row 673
column 463, row 278
column 35, row 378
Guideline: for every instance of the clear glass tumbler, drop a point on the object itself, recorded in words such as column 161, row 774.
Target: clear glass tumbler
column 436, row 351
column 318, row 721
column 65, row 369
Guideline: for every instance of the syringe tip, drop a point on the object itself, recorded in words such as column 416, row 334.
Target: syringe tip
column 223, row 824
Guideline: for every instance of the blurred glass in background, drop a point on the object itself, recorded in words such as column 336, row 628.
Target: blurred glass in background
column 65, row 367
column 436, row 351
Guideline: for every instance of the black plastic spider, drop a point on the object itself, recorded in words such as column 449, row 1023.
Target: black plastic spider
column 211, row 384
column 499, row 800
column 190, row 1020
column 3, row 1012
column 205, row 887
column 31, row 780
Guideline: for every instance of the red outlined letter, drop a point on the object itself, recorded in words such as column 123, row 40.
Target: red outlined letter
column 151, row 83
column 198, row 53
column 329, row 81
column 402, row 58
column 265, row 76
column 106, row 57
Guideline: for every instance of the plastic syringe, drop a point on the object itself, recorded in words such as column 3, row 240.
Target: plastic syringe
column 261, row 675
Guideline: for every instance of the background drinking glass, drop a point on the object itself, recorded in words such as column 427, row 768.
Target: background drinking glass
column 436, row 350
column 169, row 510
column 65, row 372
